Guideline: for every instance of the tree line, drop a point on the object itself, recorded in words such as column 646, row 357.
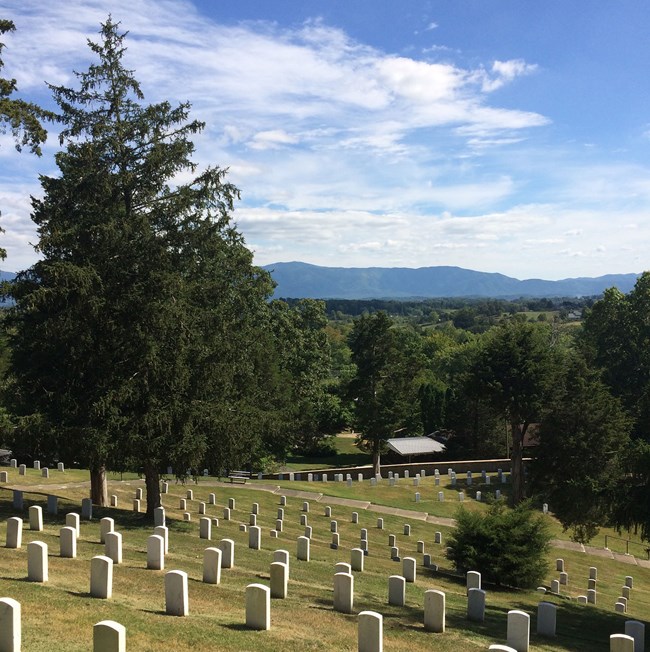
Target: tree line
column 145, row 337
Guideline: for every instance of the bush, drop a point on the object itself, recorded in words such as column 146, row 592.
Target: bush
column 507, row 546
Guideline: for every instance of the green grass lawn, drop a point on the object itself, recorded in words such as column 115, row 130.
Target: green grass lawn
column 60, row 614
column 347, row 454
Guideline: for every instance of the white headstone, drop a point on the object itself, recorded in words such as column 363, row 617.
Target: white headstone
column 370, row 637
column 255, row 537
column 279, row 579
column 10, row 625
column 37, row 569
column 163, row 531
column 380, row 523
column 205, row 528
column 409, row 571
column 281, row 556
column 212, row 565
column 227, row 547
column 106, row 525
column 87, row 509
column 546, row 619
column 636, row 630
column 396, row 590
column 343, row 592
column 434, row 611
column 476, row 605
column 72, row 520
column 18, row 501
column 155, row 552
column 176, row 598
column 473, row 580
column 113, row 546
column 356, row 559
column 101, row 577
column 109, row 636
column 621, row 643
column 159, row 516
column 258, row 607
column 518, row 636
column 36, row 518
column 303, row 549
column 114, row 500
column 68, row 542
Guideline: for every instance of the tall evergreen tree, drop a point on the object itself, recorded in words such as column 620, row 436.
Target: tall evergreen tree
column 384, row 388
column 135, row 331
column 514, row 372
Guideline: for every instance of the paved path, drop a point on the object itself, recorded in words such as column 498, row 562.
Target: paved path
column 351, row 502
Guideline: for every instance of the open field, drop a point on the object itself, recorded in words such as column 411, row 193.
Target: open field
column 61, row 611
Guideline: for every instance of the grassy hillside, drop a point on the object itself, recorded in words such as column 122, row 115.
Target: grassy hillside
column 61, row 613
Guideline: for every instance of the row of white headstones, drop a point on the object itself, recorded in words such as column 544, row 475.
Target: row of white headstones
column 258, row 596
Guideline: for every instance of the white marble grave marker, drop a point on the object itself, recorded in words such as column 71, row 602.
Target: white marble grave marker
column 343, row 592
column 109, row 636
column 10, row 625
column 68, row 542
column 227, row 547
column 101, row 577
column 434, row 611
column 36, row 518
column 176, row 598
column 37, row 569
column 303, row 549
column 258, row 607
column 113, row 546
column 205, row 528
column 155, row 552
column 106, row 525
column 370, row 637
column 518, row 636
column 546, row 619
column 212, row 563
column 409, row 571
column 279, row 579
column 397, row 590
column 476, row 605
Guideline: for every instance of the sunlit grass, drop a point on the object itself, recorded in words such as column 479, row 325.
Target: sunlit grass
column 60, row 614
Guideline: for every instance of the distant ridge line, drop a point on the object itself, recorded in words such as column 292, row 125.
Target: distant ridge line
column 298, row 280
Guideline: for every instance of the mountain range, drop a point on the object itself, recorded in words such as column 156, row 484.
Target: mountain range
column 298, row 280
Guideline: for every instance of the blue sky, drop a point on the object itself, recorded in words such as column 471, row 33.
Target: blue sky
column 506, row 136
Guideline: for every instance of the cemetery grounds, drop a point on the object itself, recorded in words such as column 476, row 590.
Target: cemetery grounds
column 60, row 614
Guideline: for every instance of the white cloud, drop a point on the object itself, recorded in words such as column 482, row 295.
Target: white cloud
column 272, row 139
column 346, row 154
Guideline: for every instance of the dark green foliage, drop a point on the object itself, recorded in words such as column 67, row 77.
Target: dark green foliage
column 384, row 388
column 577, row 465
column 514, row 372
column 507, row 546
column 136, row 336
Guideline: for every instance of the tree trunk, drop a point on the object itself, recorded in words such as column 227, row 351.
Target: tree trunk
column 517, row 480
column 98, row 488
column 152, row 482
column 376, row 457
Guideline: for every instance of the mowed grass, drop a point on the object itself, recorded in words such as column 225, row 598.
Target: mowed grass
column 60, row 614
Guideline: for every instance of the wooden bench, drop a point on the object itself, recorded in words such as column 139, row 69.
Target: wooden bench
column 239, row 476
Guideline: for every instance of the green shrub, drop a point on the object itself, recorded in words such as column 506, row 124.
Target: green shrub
column 507, row 546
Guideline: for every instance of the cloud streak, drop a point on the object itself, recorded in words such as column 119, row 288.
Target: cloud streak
column 345, row 153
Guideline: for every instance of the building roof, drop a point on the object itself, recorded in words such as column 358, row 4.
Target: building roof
column 415, row 446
